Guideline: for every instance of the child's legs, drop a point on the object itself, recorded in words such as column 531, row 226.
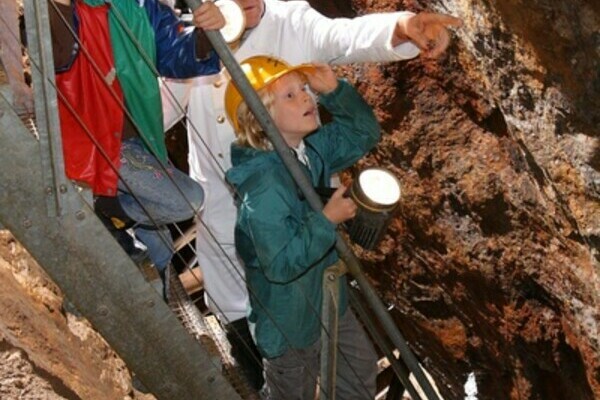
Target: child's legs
column 165, row 197
column 153, row 198
column 293, row 376
column 357, row 366
column 159, row 243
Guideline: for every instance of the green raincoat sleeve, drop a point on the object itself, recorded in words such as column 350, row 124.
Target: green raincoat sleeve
column 287, row 238
column 353, row 132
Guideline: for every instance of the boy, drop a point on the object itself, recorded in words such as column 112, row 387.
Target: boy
column 284, row 244
column 296, row 32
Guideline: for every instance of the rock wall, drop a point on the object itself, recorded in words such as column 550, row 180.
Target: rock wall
column 492, row 264
column 47, row 350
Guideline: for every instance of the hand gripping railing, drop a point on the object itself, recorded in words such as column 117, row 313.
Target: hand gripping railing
column 293, row 165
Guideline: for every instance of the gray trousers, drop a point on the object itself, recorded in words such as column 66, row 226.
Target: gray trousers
column 293, row 375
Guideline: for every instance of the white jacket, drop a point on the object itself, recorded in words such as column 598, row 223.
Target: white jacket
column 297, row 33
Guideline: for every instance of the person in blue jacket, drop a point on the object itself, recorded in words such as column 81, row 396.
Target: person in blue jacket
column 286, row 245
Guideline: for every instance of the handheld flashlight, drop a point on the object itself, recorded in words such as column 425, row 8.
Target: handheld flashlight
column 376, row 192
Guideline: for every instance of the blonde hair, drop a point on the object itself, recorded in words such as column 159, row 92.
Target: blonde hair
column 250, row 133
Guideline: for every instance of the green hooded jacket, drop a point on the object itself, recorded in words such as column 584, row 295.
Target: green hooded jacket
column 285, row 245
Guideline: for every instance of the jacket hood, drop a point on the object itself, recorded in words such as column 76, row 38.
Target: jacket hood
column 247, row 161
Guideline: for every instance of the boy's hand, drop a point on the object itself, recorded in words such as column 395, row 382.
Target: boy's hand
column 321, row 78
column 208, row 17
column 339, row 208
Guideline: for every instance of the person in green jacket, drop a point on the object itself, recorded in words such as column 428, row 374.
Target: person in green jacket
column 285, row 245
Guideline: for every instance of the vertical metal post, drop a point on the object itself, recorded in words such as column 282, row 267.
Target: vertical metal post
column 329, row 332
column 39, row 44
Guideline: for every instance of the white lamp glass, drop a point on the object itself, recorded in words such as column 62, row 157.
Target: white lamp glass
column 235, row 20
column 379, row 186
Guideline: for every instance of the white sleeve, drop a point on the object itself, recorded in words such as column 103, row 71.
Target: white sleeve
column 343, row 40
column 175, row 96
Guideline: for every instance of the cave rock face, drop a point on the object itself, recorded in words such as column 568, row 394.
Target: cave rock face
column 492, row 263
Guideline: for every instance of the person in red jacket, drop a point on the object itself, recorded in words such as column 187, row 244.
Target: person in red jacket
column 107, row 57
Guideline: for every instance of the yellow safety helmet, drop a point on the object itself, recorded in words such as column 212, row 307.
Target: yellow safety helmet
column 261, row 71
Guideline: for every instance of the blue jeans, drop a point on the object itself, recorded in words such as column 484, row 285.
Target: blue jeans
column 154, row 199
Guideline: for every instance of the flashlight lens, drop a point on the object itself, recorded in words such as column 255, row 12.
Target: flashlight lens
column 379, row 186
